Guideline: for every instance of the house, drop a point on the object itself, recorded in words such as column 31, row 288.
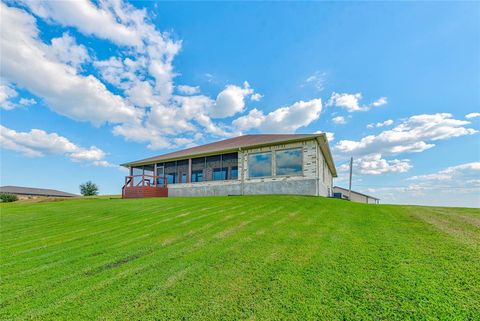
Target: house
column 340, row 192
column 245, row 165
column 30, row 192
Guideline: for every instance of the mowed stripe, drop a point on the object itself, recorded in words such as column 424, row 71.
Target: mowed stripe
column 262, row 257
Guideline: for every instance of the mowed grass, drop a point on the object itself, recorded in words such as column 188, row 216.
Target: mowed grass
column 238, row 258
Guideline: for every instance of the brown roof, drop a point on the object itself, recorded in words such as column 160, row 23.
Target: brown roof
column 232, row 144
column 34, row 191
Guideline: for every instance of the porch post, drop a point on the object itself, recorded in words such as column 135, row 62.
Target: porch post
column 189, row 174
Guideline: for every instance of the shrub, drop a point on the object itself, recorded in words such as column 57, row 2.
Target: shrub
column 7, row 197
column 88, row 189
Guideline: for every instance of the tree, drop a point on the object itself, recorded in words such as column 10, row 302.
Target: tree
column 7, row 197
column 88, row 189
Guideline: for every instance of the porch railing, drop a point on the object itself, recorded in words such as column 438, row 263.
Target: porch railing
column 144, row 180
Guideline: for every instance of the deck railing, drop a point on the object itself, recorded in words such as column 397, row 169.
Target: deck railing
column 144, row 180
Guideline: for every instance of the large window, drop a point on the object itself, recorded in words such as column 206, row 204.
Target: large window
column 260, row 164
column 182, row 171
column 230, row 165
column 198, row 166
column 288, row 162
column 212, row 163
column 220, row 174
column 171, row 172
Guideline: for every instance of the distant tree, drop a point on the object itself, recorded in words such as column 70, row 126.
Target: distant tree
column 88, row 189
column 7, row 197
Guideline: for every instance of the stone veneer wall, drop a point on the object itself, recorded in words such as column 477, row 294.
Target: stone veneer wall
column 312, row 182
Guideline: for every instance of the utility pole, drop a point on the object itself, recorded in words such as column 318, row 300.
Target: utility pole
column 350, row 183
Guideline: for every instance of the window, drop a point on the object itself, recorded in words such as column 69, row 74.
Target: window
column 197, row 176
column 234, row 172
column 212, row 163
column 137, row 170
column 170, row 169
column 198, row 167
column 220, row 174
column 182, row 170
column 230, row 163
column 288, row 162
column 260, row 164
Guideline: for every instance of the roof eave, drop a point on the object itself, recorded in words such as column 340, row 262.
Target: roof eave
column 150, row 161
column 323, row 142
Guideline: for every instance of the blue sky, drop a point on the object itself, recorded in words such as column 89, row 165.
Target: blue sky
column 86, row 86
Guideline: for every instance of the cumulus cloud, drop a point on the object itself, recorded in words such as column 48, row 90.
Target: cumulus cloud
column 65, row 50
column 388, row 122
column 284, row 119
column 92, row 20
column 351, row 102
column 230, row 101
column 415, row 134
column 472, row 115
column 141, row 102
column 25, row 62
column 374, row 164
column 38, row 143
column 339, row 120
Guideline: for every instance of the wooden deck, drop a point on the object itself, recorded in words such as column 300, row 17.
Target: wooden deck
column 146, row 186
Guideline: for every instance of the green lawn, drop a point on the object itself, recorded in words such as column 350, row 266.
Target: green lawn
column 238, row 258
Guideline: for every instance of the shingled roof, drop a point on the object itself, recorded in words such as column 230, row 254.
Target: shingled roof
column 19, row 190
column 234, row 144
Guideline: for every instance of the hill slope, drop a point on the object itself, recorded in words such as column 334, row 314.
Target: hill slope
column 259, row 257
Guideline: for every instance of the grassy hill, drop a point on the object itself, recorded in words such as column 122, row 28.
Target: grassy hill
column 231, row 258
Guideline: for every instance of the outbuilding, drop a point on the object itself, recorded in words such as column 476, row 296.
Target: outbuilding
column 340, row 192
column 32, row 192
column 245, row 165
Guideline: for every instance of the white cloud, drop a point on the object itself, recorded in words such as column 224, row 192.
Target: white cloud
column 330, row 136
column 141, row 105
column 27, row 101
column 380, row 102
column 25, row 63
column 388, row 122
column 461, row 174
column 37, row 143
column 91, row 20
column 230, row 101
column 7, row 93
column 472, row 115
column 351, row 102
column 453, row 186
column 188, row 90
column 317, row 80
column 414, row 134
column 282, row 120
column 339, row 120
column 256, row 97
column 65, row 49
column 374, row 164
